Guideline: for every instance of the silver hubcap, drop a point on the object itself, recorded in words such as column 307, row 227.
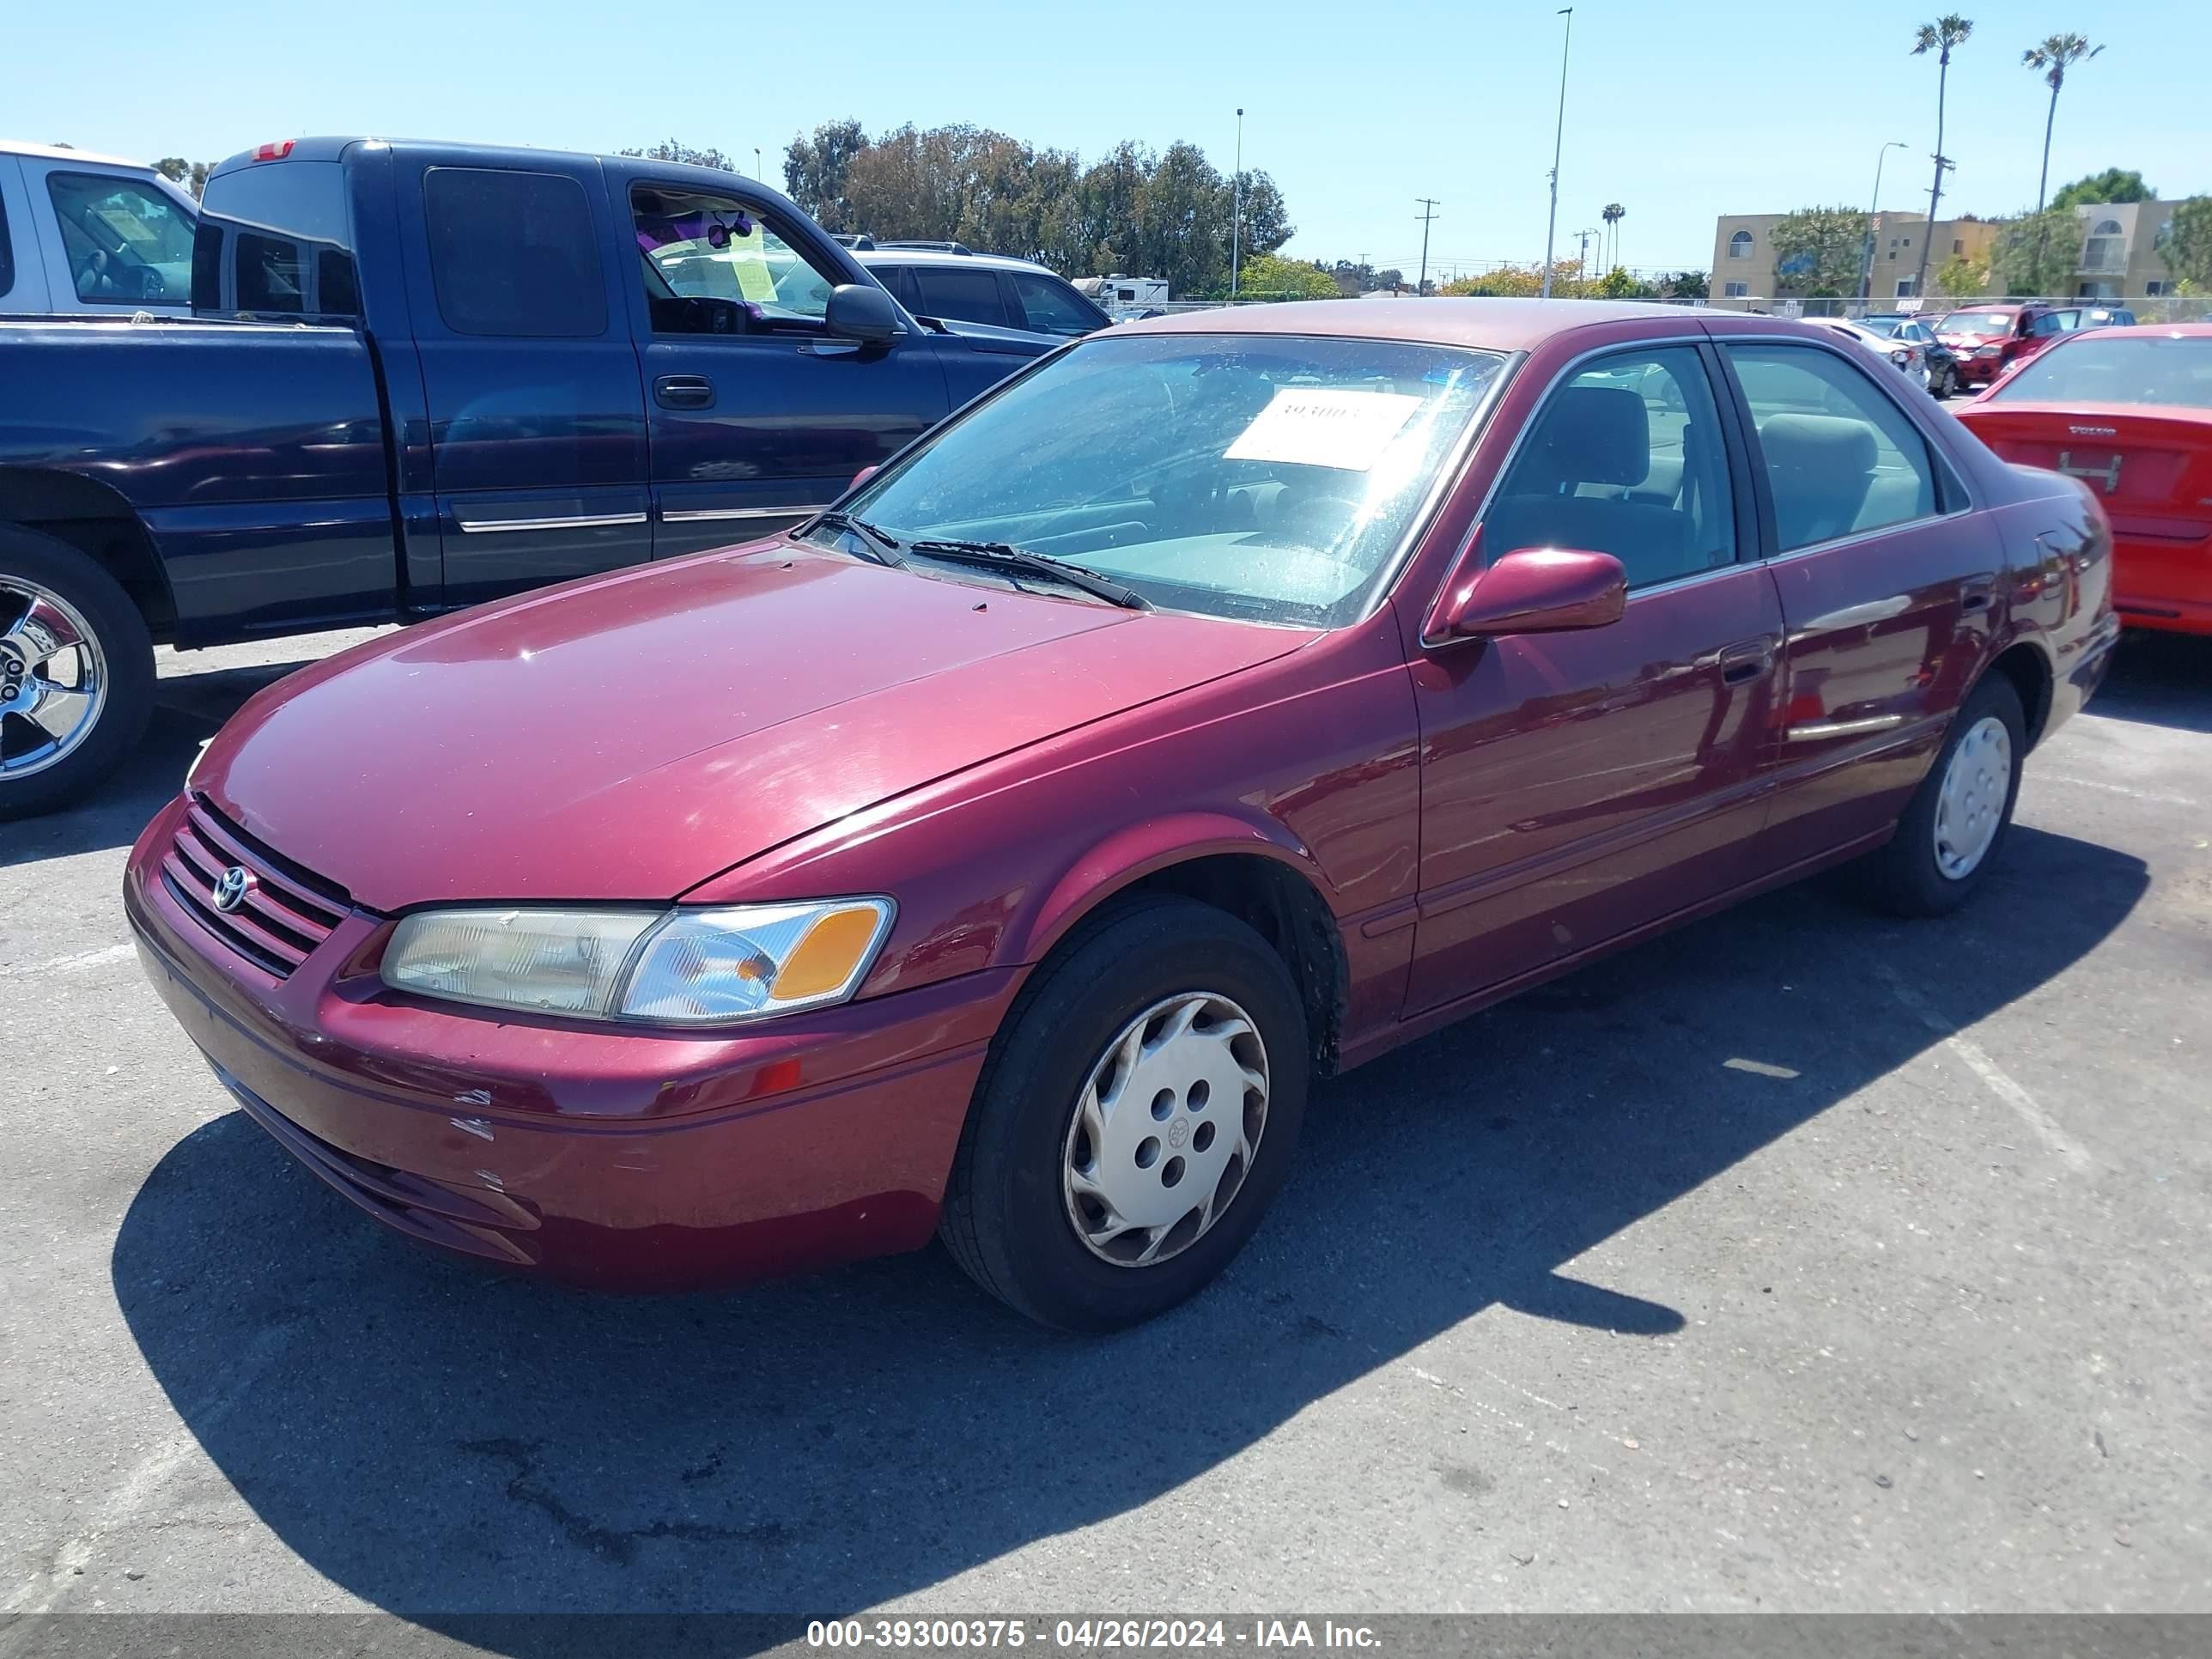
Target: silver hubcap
column 53, row 679
column 1165, row 1129
column 1973, row 801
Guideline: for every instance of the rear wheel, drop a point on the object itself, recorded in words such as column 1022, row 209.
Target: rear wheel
column 1137, row 1115
column 1952, row 829
column 77, row 672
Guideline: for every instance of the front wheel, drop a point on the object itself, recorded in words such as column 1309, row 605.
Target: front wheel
column 77, row 672
column 1952, row 829
column 1137, row 1115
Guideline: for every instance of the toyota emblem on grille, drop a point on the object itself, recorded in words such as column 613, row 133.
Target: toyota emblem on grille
column 231, row 888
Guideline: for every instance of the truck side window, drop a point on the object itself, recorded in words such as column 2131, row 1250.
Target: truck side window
column 513, row 253
column 713, row 265
column 7, row 254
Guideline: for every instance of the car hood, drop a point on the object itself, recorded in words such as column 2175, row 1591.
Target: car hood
column 631, row 736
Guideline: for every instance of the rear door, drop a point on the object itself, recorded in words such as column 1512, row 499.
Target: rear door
column 758, row 414
column 537, row 434
column 1887, row 583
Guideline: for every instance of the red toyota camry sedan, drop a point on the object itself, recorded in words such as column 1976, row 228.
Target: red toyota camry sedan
column 1224, row 700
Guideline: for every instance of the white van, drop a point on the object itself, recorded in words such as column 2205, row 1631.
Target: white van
column 91, row 236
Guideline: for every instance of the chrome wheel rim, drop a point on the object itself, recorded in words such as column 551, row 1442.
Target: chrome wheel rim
column 53, row 678
column 1971, row 802
column 1164, row 1130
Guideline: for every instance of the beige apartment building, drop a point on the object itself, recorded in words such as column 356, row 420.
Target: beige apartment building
column 2118, row 258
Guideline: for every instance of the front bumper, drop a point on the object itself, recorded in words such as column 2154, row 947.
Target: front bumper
column 617, row 1159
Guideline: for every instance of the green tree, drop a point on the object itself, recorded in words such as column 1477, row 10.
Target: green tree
column 2037, row 252
column 193, row 175
column 1817, row 249
column 1959, row 279
column 2185, row 244
column 1618, row 284
column 1942, row 37
column 689, row 155
column 1687, row 285
column 1613, row 214
column 2054, row 55
column 1266, row 220
column 2112, row 185
column 1269, row 277
column 816, row 168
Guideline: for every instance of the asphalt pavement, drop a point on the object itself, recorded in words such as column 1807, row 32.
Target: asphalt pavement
column 1803, row 1259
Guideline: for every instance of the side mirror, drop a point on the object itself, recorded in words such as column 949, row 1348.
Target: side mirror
column 858, row 311
column 863, row 475
column 1534, row 590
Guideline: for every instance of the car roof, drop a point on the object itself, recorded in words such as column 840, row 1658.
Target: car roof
column 2169, row 331
column 64, row 153
column 880, row 255
column 1493, row 325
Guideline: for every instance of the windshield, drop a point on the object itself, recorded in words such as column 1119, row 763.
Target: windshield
column 1978, row 322
column 1268, row 478
column 1884, row 326
column 2139, row 369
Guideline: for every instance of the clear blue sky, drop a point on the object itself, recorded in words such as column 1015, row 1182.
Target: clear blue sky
column 1678, row 112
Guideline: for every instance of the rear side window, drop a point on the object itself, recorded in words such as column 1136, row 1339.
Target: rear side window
column 7, row 254
column 282, row 232
column 968, row 296
column 513, row 253
column 1051, row 307
column 1841, row 457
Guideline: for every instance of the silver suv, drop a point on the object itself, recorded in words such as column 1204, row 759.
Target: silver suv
column 947, row 281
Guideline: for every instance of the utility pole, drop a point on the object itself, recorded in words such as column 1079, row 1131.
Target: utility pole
column 1236, row 206
column 1429, row 205
column 757, row 174
column 1874, row 211
column 1559, row 138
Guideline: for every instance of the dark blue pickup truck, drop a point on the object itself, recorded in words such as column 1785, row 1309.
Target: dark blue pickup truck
column 419, row 376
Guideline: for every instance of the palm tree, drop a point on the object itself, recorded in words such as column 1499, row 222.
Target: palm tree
column 2054, row 56
column 1940, row 37
column 1614, row 214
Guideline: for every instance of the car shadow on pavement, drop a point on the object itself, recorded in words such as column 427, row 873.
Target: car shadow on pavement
column 2160, row 679
column 443, row 1443
column 189, row 708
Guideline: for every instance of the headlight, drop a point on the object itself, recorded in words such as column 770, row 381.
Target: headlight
column 682, row 967
column 1989, row 351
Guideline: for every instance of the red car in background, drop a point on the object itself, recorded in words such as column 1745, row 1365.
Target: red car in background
column 2129, row 412
column 1226, row 699
column 1989, row 339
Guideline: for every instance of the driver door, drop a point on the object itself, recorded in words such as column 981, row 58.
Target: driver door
column 758, row 416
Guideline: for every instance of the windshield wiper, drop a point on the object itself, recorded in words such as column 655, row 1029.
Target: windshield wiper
column 1006, row 557
column 885, row 546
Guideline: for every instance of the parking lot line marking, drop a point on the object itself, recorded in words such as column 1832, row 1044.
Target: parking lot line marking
column 2151, row 795
column 76, row 963
column 1758, row 1068
column 1993, row 1076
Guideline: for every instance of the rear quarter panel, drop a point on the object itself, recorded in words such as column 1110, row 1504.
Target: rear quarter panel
column 254, row 454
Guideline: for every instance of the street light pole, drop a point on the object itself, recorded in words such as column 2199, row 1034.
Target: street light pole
column 1237, row 208
column 1559, row 138
column 1874, row 207
column 1428, row 212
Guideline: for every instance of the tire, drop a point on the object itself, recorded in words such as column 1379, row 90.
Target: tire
column 1913, row 874
column 1011, row 1215
column 74, row 596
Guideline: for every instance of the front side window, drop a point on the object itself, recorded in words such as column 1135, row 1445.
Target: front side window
column 1840, row 456
column 967, row 296
column 714, row 265
column 2050, row 323
column 1625, row 457
column 513, row 253
column 1273, row 479
column 2176, row 372
column 126, row 242
column 1051, row 307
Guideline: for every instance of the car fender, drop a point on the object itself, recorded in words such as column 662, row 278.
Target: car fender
column 1135, row 851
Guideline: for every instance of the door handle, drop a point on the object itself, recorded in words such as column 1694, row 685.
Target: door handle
column 684, row 391
column 1978, row 594
column 1747, row 661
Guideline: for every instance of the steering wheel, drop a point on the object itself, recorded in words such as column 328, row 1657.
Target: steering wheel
column 150, row 285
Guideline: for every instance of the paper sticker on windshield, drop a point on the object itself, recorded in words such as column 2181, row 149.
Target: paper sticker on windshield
column 1324, row 426
column 748, row 258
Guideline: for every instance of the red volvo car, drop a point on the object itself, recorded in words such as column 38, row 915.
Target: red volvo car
column 2129, row 412
column 1226, row 699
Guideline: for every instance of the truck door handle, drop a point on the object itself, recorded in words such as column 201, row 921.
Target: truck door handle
column 684, row 391
column 1744, row 662
column 1977, row 595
